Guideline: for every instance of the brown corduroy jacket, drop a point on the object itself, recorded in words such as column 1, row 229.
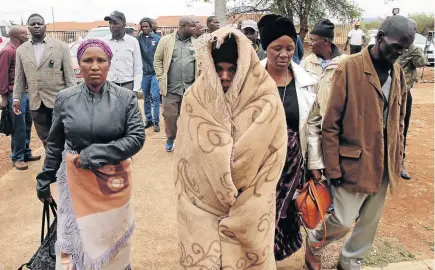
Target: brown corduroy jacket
column 353, row 133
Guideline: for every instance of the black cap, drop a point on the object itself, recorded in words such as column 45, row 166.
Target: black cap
column 274, row 26
column 324, row 28
column 227, row 52
column 116, row 16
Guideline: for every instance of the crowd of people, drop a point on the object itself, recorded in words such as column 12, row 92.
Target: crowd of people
column 248, row 118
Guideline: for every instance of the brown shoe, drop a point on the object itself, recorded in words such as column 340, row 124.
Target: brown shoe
column 32, row 158
column 312, row 262
column 20, row 165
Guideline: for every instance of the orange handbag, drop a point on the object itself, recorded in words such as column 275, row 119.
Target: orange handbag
column 312, row 203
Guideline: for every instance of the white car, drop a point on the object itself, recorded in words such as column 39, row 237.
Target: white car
column 420, row 41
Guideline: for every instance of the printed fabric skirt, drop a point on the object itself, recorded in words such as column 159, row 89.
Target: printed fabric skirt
column 288, row 238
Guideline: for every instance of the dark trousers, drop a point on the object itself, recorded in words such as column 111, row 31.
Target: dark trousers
column 171, row 112
column 407, row 119
column 42, row 119
column 355, row 49
column 21, row 130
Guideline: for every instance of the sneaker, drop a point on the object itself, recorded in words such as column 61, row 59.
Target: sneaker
column 156, row 128
column 148, row 124
column 20, row 165
column 32, row 158
column 169, row 145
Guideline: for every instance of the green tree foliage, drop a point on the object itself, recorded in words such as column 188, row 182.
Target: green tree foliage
column 425, row 22
column 306, row 11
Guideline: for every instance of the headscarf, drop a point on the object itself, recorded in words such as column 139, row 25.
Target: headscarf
column 226, row 52
column 91, row 43
column 274, row 26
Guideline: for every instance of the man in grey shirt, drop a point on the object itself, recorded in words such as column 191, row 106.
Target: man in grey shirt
column 174, row 63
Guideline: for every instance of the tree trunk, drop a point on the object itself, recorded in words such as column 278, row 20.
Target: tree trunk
column 303, row 27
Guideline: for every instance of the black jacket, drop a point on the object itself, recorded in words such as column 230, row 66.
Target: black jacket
column 105, row 128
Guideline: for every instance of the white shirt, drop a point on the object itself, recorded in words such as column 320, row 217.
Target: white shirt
column 356, row 36
column 126, row 65
column 38, row 50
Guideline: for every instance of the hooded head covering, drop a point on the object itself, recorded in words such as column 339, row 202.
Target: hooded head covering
column 226, row 52
column 220, row 132
column 274, row 26
column 89, row 43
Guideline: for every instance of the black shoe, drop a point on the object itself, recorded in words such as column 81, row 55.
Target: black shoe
column 32, row 158
column 405, row 174
column 148, row 124
column 156, row 128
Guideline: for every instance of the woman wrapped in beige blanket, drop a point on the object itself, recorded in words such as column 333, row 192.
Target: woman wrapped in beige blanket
column 228, row 158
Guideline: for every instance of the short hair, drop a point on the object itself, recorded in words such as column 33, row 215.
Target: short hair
column 397, row 24
column 35, row 15
column 210, row 19
column 147, row 20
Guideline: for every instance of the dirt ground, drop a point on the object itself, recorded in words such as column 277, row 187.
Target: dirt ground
column 406, row 231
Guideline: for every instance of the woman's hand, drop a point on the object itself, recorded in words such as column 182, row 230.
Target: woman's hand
column 316, row 174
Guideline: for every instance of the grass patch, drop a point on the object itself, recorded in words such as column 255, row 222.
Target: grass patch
column 385, row 251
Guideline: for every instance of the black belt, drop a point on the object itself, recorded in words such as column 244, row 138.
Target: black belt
column 122, row 84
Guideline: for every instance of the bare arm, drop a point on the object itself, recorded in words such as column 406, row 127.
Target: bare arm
column 347, row 43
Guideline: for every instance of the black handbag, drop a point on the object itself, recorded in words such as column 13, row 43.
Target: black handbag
column 45, row 257
column 6, row 122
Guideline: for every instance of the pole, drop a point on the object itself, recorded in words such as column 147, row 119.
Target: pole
column 52, row 15
column 220, row 11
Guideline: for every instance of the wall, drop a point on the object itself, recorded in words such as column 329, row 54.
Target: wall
column 66, row 36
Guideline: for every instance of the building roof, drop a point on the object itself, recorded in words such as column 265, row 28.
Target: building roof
column 171, row 21
column 79, row 26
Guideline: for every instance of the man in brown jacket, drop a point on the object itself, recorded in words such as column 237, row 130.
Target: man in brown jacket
column 363, row 142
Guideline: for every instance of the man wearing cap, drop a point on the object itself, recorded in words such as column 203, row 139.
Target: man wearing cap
column 324, row 60
column 356, row 38
column 126, row 66
column 250, row 29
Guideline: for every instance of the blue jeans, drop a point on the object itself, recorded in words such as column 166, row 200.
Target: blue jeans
column 151, row 97
column 21, row 129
